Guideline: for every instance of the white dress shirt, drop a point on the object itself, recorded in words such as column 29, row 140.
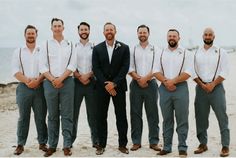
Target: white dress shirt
column 83, row 58
column 205, row 63
column 26, row 62
column 143, row 60
column 59, row 57
column 171, row 62
column 110, row 50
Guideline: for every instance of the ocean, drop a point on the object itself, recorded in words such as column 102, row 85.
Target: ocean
column 5, row 65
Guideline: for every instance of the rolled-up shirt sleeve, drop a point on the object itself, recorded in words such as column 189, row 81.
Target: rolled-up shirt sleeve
column 43, row 64
column 223, row 65
column 131, row 67
column 73, row 61
column 15, row 63
column 189, row 64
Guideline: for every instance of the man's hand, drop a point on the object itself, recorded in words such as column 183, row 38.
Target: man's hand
column 33, row 83
column 142, row 82
column 110, row 88
column 57, row 82
column 112, row 92
column 85, row 79
column 170, row 85
column 210, row 87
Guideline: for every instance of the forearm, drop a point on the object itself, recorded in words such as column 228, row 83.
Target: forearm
column 160, row 77
column 134, row 75
column 49, row 76
column 198, row 81
column 149, row 76
column 40, row 78
column 22, row 78
column 76, row 74
column 218, row 80
column 65, row 75
column 181, row 78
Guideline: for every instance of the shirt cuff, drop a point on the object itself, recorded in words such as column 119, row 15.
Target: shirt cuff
column 71, row 68
column 43, row 70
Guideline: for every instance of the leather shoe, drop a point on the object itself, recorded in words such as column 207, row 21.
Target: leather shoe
column 163, row 152
column 124, row 150
column 100, row 150
column 49, row 152
column 154, row 147
column 43, row 147
column 135, row 147
column 183, row 153
column 19, row 150
column 201, row 148
column 224, row 152
column 67, row 152
column 95, row 146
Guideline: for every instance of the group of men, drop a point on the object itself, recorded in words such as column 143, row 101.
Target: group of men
column 55, row 78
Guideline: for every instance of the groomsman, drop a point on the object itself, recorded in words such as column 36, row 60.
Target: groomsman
column 85, row 82
column 110, row 62
column 57, row 67
column 211, row 69
column 143, row 90
column 173, row 71
column 29, row 92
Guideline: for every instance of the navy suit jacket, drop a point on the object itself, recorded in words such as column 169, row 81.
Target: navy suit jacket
column 115, row 71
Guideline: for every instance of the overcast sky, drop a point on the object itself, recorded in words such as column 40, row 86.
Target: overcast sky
column 190, row 17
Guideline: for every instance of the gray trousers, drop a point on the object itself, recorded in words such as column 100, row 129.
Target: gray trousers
column 60, row 103
column 147, row 96
column 175, row 103
column 27, row 98
column 88, row 93
column 203, row 102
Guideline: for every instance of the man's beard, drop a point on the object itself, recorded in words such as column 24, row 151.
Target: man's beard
column 172, row 43
column 30, row 40
column 110, row 36
column 142, row 38
column 208, row 42
column 84, row 37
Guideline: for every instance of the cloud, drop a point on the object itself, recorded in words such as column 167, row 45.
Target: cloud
column 189, row 16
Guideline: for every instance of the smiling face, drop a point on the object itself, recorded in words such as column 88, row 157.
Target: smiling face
column 30, row 35
column 208, row 36
column 173, row 38
column 143, row 34
column 57, row 27
column 84, row 32
column 109, row 32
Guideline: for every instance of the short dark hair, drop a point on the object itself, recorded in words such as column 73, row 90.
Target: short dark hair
column 174, row 30
column 56, row 19
column 31, row 27
column 108, row 23
column 143, row 26
column 84, row 23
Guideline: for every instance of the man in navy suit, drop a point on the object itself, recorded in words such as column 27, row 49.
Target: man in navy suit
column 110, row 61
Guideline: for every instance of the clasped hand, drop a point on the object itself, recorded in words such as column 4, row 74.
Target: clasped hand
column 110, row 88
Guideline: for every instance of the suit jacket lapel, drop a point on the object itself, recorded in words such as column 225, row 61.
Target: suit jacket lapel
column 105, row 52
column 115, row 51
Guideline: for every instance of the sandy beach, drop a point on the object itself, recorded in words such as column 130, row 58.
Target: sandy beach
column 82, row 146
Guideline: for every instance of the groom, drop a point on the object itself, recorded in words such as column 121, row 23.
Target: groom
column 110, row 62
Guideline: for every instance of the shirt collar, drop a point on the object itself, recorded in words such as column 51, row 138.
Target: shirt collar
column 179, row 48
column 36, row 49
column 213, row 47
column 87, row 44
column 112, row 45
column 148, row 46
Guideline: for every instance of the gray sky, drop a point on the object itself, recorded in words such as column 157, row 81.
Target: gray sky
column 190, row 17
